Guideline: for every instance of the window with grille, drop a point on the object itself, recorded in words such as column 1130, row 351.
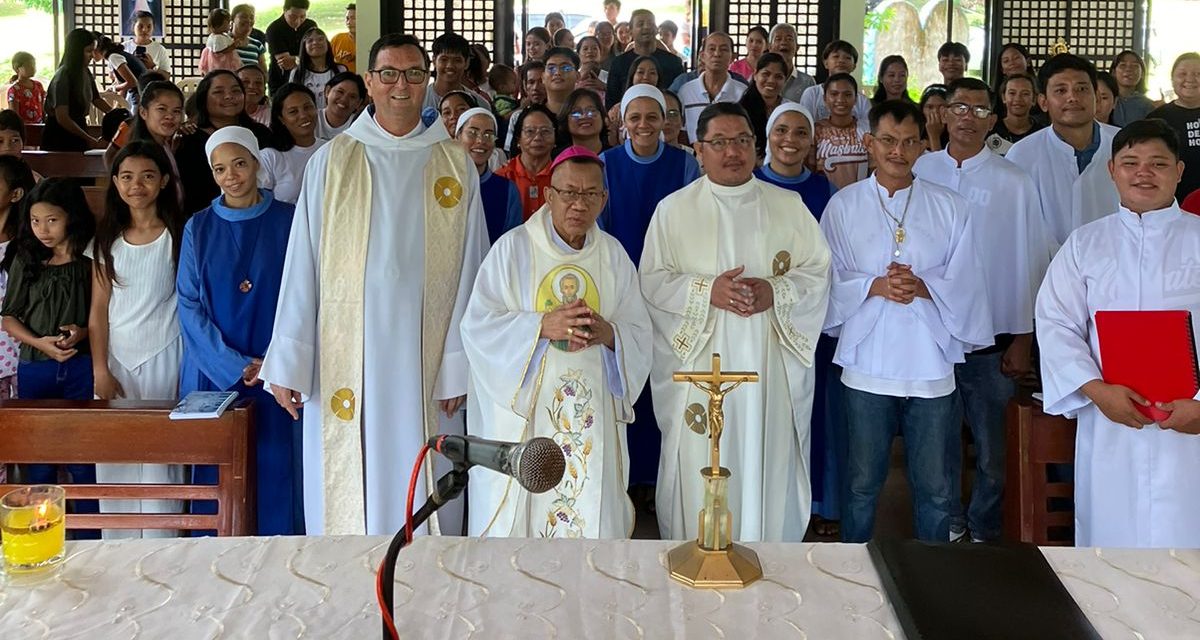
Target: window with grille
column 1094, row 29
column 474, row 20
column 184, row 26
column 805, row 15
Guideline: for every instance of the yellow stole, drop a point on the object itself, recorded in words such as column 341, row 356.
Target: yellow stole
column 345, row 231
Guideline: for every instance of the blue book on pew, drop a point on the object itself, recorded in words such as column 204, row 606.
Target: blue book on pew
column 203, row 405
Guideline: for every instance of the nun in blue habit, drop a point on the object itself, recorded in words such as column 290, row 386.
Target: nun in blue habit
column 476, row 131
column 230, row 267
column 789, row 139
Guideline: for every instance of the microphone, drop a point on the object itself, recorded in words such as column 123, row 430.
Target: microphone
column 537, row 465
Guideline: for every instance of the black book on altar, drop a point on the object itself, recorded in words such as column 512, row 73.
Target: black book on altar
column 978, row 591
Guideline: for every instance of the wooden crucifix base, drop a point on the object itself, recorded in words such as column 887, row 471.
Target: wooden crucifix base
column 733, row 567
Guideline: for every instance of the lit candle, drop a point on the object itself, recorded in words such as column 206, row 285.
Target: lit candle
column 33, row 535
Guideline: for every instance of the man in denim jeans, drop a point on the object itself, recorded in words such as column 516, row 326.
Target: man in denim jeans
column 908, row 300
column 1014, row 248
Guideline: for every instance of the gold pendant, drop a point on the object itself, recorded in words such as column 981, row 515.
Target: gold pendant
column 899, row 235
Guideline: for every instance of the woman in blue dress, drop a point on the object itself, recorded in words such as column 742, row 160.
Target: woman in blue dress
column 230, row 267
column 476, row 131
column 789, row 139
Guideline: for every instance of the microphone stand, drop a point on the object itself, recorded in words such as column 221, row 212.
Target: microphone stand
column 448, row 487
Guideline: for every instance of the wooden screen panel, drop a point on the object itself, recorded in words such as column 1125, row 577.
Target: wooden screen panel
column 184, row 33
column 1094, row 29
column 96, row 15
column 801, row 14
column 1100, row 29
column 475, row 20
column 426, row 19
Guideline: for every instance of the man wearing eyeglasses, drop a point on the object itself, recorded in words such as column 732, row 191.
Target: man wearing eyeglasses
column 909, row 299
column 388, row 235
column 558, row 339
column 714, row 83
column 1014, row 250
column 562, row 72
column 736, row 266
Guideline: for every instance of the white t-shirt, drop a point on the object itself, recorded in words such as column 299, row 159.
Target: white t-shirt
column 142, row 315
column 283, row 171
column 326, row 131
column 155, row 51
column 315, row 81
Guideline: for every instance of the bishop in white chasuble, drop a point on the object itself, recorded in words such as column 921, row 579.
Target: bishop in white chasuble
column 736, row 266
column 388, row 234
column 1136, row 481
column 558, row 339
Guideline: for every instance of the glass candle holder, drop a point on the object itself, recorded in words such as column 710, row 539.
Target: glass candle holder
column 33, row 528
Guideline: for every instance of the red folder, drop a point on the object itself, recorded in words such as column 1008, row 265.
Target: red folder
column 1151, row 352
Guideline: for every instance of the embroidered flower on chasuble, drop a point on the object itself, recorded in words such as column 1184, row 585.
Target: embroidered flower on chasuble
column 573, row 417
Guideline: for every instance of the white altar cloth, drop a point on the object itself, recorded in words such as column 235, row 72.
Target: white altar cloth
column 452, row 588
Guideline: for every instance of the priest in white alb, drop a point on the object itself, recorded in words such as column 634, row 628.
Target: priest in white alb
column 908, row 301
column 558, row 339
column 1136, row 481
column 1068, row 160
column 387, row 237
column 1014, row 250
column 736, row 266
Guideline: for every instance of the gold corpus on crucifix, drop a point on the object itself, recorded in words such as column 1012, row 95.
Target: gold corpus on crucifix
column 714, row 561
column 1059, row 46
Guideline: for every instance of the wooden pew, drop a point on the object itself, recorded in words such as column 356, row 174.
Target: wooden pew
column 95, row 199
column 1034, row 441
column 34, row 132
column 66, row 164
column 122, row 431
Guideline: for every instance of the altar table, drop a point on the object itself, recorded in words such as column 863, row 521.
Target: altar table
column 453, row 588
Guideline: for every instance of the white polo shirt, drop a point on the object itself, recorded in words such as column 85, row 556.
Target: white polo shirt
column 695, row 98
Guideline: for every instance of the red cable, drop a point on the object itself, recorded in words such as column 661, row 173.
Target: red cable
column 412, row 488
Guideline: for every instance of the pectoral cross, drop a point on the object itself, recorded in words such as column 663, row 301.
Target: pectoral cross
column 711, row 383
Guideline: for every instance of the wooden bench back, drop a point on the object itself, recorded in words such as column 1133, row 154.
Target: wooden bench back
column 122, row 431
column 95, row 199
column 34, row 133
column 1038, row 509
column 66, row 164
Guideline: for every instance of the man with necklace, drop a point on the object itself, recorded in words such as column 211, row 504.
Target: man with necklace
column 908, row 301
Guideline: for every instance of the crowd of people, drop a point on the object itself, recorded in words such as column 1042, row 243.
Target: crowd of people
column 372, row 251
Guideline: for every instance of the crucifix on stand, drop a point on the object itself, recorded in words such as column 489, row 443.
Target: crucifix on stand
column 714, row 561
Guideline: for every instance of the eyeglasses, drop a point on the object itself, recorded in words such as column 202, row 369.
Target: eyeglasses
column 389, row 75
column 742, row 142
column 590, row 198
column 962, row 108
column 906, row 145
column 673, row 114
column 471, row 133
column 537, row 132
column 579, row 114
column 556, row 68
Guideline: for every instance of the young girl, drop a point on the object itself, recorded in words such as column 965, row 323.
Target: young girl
column 26, row 95
column 46, row 309
column 16, row 180
column 133, row 322
column 124, row 67
column 219, row 51
column 293, row 141
column 838, row 151
column 317, row 66
column 230, row 268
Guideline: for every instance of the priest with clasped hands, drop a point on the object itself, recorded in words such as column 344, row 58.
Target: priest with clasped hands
column 558, row 340
column 736, row 266
column 1136, row 481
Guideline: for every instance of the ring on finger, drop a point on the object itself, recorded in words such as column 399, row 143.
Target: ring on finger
column 570, row 331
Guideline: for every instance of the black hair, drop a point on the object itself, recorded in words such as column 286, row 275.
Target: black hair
column 552, row 15
column 16, row 175
column 281, row 138
column 141, row 15
column 762, row 31
column 496, row 74
column 450, row 43
column 1146, row 130
column 637, row 62
column 295, row 4
column 65, row 194
column 203, row 118
column 523, row 73
column 1107, row 79
column 966, row 83
column 395, row 41
column 579, row 43
column 880, row 91
column 561, row 36
column 107, row 46
column 1112, row 68
column 111, row 122
column 145, row 79
column 954, row 49
column 1027, row 77
column 515, row 149
column 752, row 101
column 72, row 58
column 345, row 76
column 613, row 2
column 305, row 65
column 667, row 93
column 717, row 110
column 897, row 110
column 671, row 27
column 934, row 90
column 842, row 46
column 117, row 216
column 11, row 121
column 217, row 18
column 151, row 94
column 1064, row 62
column 541, row 33
column 569, row 54
column 841, row 77
column 472, row 101
column 563, row 129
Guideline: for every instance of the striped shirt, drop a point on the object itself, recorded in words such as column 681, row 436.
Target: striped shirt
column 256, row 46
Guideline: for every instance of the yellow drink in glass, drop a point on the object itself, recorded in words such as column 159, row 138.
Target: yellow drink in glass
column 32, row 528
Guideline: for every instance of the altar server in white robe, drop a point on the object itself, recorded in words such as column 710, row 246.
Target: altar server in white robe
column 558, row 339
column 1136, row 482
column 908, row 299
column 1013, row 249
column 736, row 266
column 1069, row 159
column 387, row 237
